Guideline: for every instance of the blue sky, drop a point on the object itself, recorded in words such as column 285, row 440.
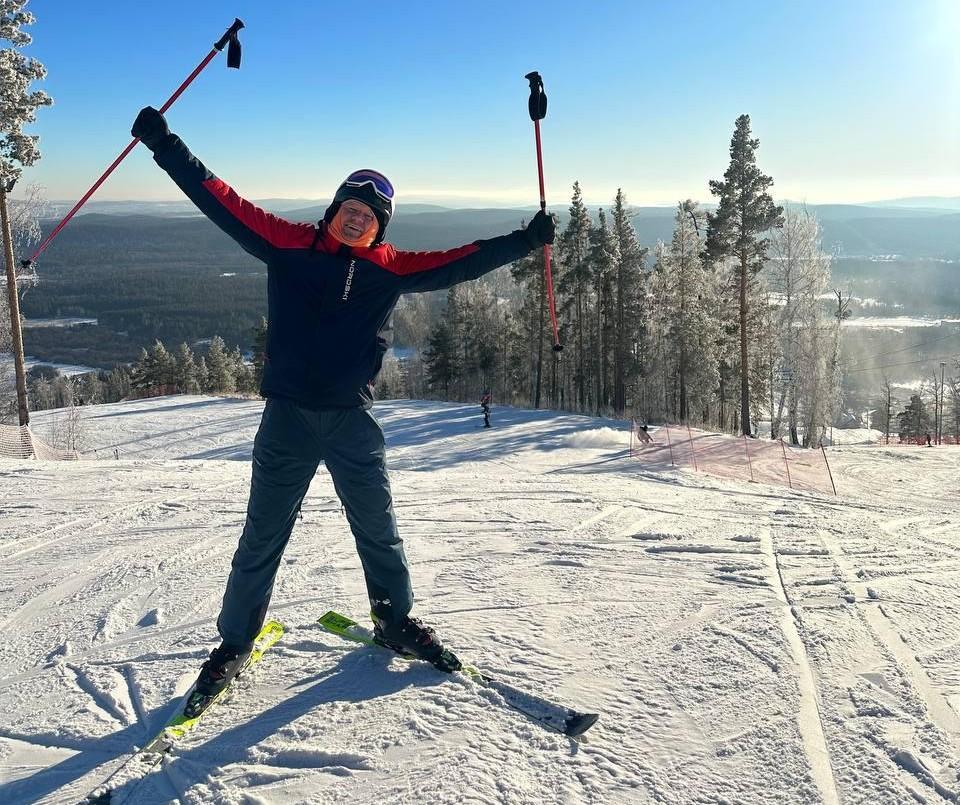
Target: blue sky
column 852, row 100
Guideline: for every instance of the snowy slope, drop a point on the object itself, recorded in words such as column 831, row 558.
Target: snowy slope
column 744, row 643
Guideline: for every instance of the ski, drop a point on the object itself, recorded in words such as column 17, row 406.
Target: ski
column 139, row 765
column 553, row 716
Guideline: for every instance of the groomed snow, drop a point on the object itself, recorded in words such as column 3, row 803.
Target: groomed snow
column 744, row 643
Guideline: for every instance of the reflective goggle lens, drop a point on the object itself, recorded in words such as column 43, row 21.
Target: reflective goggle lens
column 381, row 184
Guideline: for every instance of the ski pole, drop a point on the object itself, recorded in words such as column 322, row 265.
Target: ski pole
column 538, row 110
column 233, row 60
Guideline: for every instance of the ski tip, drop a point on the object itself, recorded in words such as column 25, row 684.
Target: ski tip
column 579, row 723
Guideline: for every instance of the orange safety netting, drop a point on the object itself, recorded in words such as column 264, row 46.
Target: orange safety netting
column 736, row 457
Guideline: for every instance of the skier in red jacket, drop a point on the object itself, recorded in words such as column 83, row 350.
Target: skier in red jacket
column 331, row 288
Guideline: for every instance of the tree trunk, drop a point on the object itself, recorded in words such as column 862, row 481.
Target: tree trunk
column 13, row 303
column 744, row 357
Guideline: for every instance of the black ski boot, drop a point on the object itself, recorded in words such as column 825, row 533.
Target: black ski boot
column 215, row 674
column 408, row 636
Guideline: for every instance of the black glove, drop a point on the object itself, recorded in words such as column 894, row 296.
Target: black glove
column 540, row 230
column 151, row 127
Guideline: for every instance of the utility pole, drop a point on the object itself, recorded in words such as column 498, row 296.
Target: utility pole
column 13, row 303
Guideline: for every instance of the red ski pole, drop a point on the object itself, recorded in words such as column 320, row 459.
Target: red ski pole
column 538, row 110
column 233, row 60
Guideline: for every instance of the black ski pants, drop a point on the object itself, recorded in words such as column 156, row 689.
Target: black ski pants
column 289, row 446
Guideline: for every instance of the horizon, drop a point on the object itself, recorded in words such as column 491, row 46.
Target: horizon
column 452, row 123
column 906, row 202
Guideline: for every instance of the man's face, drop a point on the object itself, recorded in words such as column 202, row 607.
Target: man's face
column 356, row 218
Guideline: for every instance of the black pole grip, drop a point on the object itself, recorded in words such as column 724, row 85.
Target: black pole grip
column 538, row 98
column 230, row 34
column 25, row 264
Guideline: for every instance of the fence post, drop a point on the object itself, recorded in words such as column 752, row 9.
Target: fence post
column 692, row 451
column 828, row 469
column 666, row 427
column 785, row 463
column 746, row 447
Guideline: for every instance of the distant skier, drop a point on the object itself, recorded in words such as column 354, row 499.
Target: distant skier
column 331, row 288
column 642, row 435
column 485, row 407
column 929, row 444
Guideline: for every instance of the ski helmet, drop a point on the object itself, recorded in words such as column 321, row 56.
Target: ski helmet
column 371, row 188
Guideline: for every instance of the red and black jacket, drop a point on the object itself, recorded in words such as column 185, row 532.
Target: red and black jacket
column 327, row 303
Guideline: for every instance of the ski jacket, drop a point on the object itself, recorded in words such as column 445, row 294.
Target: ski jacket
column 328, row 305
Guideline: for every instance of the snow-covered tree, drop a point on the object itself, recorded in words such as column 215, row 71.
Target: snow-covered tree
column 221, row 369
column 18, row 106
column 628, row 291
column 684, row 322
column 797, row 275
column 186, row 373
column 573, row 290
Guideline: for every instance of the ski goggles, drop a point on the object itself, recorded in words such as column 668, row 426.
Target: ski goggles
column 380, row 183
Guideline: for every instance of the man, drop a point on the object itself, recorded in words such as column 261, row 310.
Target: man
column 485, row 408
column 331, row 288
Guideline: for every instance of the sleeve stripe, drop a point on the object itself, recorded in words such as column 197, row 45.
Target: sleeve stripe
column 403, row 263
column 279, row 233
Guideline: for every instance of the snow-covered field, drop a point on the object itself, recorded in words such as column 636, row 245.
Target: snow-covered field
column 744, row 643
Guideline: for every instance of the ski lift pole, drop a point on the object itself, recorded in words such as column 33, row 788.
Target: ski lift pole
column 230, row 37
column 537, row 106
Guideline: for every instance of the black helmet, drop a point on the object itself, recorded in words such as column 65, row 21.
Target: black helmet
column 373, row 189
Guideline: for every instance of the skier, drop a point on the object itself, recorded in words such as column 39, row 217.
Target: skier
column 331, row 288
column 485, row 407
column 642, row 435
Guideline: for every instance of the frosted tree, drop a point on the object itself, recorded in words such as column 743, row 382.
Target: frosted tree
column 684, row 319
column 602, row 258
column 573, row 288
column 221, row 374
column 745, row 213
column 186, row 373
column 797, row 275
column 628, row 290
column 18, row 106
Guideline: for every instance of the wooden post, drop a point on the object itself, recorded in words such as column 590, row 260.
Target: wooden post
column 828, row 468
column 785, row 464
column 692, row 451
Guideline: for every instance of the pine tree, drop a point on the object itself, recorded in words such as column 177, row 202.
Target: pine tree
column 533, row 317
column 915, row 420
column 243, row 377
column 573, row 289
column 440, row 358
column 141, row 373
column 186, row 372
column 602, row 261
column 685, row 319
column 628, row 288
column 221, row 371
column 745, row 212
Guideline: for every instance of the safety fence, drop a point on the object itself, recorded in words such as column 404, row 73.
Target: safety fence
column 18, row 441
column 736, row 457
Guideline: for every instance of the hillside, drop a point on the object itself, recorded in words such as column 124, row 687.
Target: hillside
column 744, row 643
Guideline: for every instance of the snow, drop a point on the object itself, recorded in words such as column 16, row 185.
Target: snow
column 743, row 643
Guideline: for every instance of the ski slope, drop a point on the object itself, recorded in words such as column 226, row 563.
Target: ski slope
column 744, row 643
